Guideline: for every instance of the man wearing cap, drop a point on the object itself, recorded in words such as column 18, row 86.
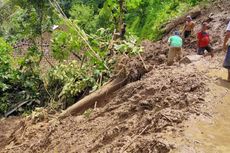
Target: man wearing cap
column 175, row 51
column 226, row 47
column 188, row 27
column 203, row 40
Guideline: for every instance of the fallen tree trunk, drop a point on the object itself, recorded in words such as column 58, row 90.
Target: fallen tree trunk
column 16, row 108
column 174, row 23
column 132, row 71
column 96, row 97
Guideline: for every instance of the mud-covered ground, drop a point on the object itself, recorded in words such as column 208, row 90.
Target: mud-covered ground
column 143, row 117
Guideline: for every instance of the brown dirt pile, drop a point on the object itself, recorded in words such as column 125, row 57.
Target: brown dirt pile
column 129, row 122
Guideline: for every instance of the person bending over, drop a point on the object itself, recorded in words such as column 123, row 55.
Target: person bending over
column 203, row 41
column 175, row 50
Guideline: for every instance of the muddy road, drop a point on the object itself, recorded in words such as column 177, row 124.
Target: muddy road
column 210, row 132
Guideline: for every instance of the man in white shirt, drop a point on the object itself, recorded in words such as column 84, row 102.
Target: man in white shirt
column 226, row 46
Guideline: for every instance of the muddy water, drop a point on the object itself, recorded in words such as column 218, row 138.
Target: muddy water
column 210, row 134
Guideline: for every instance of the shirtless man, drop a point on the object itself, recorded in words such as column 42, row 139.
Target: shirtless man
column 188, row 27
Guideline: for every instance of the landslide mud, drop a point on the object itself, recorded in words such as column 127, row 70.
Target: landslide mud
column 130, row 122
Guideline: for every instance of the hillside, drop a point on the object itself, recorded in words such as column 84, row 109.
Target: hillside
column 169, row 109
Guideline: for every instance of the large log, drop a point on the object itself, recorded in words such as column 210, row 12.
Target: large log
column 174, row 23
column 96, row 97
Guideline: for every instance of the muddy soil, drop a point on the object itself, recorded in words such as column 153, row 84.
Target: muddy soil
column 129, row 122
column 7, row 127
column 149, row 115
column 209, row 131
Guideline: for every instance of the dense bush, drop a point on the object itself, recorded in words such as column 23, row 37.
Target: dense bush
column 71, row 80
column 7, row 74
column 66, row 83
column 19, row 81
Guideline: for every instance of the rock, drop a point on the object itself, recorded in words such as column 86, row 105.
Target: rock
column 190, row 58
column 146, row 105
column 38, row 115
column 185, row 60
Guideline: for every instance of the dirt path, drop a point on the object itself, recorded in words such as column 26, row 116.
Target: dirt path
column 210, row 133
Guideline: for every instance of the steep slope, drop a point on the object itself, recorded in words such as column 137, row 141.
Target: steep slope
column 140, row 116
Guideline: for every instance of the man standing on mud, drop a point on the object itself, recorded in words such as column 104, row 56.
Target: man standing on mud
column 188, row 27
column 226, row 47
column 203, row 40
column 175, row 51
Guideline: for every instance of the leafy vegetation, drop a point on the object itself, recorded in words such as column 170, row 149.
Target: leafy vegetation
column 68, row 82
column 145, row 17
column 83, row 49
column 19, row 82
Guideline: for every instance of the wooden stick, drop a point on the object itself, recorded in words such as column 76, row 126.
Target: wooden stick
column 142, row 61
column 131, row 142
